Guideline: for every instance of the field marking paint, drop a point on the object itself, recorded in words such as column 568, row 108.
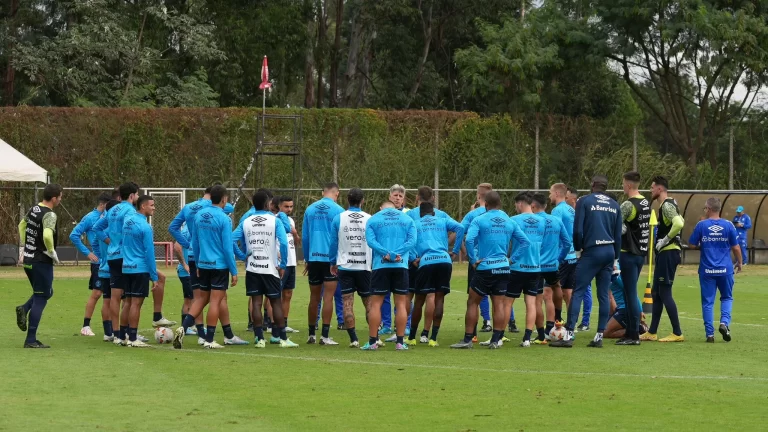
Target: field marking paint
column 474, row 369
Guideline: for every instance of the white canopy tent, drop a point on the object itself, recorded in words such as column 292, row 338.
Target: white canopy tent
column 14, row 166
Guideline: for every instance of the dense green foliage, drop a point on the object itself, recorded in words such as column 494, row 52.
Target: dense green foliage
column 684, row 71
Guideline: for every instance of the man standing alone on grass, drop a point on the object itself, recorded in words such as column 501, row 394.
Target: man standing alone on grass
column 636, row 230
column 716, row 238
column 668, row 258
column 743, row 224
column 597, row 236
column 38, row 233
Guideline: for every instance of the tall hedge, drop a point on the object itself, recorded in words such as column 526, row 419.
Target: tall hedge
column 374, row 149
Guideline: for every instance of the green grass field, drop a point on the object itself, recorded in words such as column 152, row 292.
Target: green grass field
column 85, row 384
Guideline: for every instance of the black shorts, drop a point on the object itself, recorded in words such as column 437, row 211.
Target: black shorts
column 137, row 285
column 194, row 282
column 106, row 290
column 288, row 282
column 549, row 279
column 492, row 282
column 186, row 287
column 94, row 282
column 257, row 284
column 666, row 267
column 319, row 272
column 620, row 315
column 567, row 274
column 389, row 280
column 40, row 276
column 213, row 279
column 433, row 278
column 351, row 281
column 470, row 275
column 523, row 283
column 116, row 278
column 413, row 274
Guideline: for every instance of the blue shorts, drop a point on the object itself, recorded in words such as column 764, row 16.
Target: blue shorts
column 666, row 266
column 389, row 280
column 40, row 276
column 214, row 279
column 116, row 279
column 259, row 284
column 433, row 278
column 186, row 287
column 351, row 281
column 106, row 290
column 523, row 282
column 621, row 317
column 94, row 282
column 289, row 278
column 137, row 285
column 493, row 282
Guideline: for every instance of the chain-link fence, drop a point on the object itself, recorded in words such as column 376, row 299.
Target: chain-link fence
column 15, row 201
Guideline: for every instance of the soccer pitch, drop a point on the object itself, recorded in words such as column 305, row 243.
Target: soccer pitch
column 82, row 383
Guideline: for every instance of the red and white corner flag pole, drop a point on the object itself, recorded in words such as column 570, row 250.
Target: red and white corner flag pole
column 265, row 84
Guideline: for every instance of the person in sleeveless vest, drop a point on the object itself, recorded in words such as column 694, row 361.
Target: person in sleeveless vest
column 636, row 230
column 38, row 232
column 667, row 259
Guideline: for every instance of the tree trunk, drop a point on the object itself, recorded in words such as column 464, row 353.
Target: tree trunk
column 365, row 69
column 333, row 97
column 692, row 161
column 320, row 51
column 309, row 66
column 351, row 76
column 133, row 61
column 10, row 72
column 427, row 27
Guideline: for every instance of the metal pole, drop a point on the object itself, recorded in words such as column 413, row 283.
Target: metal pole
column 536, row 166
column 634, row 148
column 437, row 169
column 336, row 160
column 730, row 162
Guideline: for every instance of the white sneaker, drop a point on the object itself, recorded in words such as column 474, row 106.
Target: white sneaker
column 163, row 322
column 141, row 338
column 235, row 341
column 119, row 342
column 328, row 341
column 213, row 345
column 485, row 343
column 138, row 344
column 525, row 344
column 191, row 331
column 86, row 331
column 392, row 338
column 311, row 340
column 200, row 341
column 423, row 339
column 380, row 343
column 108, row 338
column 354, row 344
column 290, row 330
